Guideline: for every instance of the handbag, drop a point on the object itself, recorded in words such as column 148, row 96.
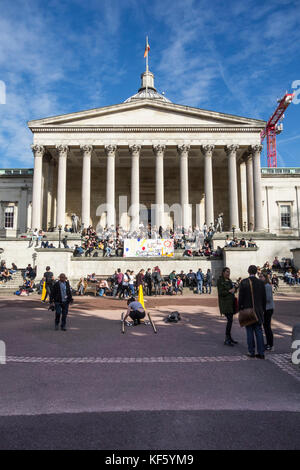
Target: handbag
column 247, row 316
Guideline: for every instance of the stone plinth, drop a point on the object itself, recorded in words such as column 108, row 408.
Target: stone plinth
column 238, row 260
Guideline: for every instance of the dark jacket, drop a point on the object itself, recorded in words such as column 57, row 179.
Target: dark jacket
column 259, row 295
column 226, row 299
column 56, row 294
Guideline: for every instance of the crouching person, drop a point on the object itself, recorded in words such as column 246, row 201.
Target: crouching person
column 135, row 311
column 61, row 297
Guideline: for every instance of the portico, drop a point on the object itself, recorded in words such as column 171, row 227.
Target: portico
column 152, row 152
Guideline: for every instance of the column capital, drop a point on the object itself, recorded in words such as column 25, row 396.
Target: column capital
column 183, row 149
column 110, row 150
column 255, row 148
column 62, row 150
column 86, row 149
column 158, row 149
column 231, row 149
column 135, row 149
column 207, row 149
column 38, row 150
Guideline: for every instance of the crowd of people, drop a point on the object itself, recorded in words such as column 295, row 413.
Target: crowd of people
column 110, row 242
column 126, row 284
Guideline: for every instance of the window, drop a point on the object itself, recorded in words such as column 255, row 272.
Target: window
column 9, row 217
column 285, row 216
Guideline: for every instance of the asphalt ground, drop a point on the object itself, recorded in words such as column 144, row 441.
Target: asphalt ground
column 92, row 387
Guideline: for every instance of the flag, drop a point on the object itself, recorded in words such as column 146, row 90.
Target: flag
column 147, row 49
column 141, row 295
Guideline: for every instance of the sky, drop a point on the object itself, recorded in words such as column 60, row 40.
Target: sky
column 63, row 56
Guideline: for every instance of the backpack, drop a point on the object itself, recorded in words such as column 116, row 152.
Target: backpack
column 174, row 317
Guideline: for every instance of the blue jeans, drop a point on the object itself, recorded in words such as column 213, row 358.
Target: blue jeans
column 199, row 286
column 208, row 287
column 256, row 330
column 61, row 310
column 131, row 288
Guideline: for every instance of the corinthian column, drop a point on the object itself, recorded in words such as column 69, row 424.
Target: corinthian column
column 257, row 192
column 183, row 151
column 207, row 150
column 250, row 195
column 61, row 184
column 159, row 184
column 135, row 185
column 86, row 185
column 110, row 151
column 36, row 218
column 232, row 186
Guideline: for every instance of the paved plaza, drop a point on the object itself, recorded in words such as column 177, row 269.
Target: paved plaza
column 93, row 388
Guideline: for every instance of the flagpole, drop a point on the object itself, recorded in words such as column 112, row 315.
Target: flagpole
column 147, row 65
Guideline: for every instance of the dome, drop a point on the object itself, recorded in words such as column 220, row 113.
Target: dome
column 147, row 90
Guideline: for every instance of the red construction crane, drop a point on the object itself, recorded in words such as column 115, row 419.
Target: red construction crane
column 272, row 128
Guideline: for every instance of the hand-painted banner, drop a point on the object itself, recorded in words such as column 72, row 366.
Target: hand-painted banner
column 135, row 248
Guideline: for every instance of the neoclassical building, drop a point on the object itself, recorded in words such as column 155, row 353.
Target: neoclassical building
column 102, row 164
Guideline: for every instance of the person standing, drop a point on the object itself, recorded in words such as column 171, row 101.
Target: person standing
column 200, row 279
column 48, row 279
column 226, row 291
column 61, row 296
column 259, row 300
column 268, row 312
column 208, row 281
column 148, row 282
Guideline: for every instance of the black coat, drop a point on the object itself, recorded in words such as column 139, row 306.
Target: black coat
column 56, row 294
column 259, row 295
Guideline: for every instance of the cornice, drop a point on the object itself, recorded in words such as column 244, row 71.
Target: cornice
column 126, row 129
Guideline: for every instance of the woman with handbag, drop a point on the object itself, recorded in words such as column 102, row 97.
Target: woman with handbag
column 227, row 303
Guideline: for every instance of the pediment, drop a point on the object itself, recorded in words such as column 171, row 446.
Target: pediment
column 146, row 113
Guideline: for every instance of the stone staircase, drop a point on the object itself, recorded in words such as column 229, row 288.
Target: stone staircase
column 12, row 285
column 285, row 288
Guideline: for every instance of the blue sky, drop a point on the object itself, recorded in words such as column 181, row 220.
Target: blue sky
column 62, row 56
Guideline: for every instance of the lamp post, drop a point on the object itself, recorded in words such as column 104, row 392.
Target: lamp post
column 59, row 235
column 233, row 230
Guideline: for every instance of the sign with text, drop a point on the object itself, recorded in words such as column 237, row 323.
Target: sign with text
column 143, row 247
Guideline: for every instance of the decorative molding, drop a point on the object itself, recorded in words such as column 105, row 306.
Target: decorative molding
column 231, row 149
column 254, row 149
column 103, row 129
column 135, row 149
column 207, row 149
column 159, row 149
column 38, row 150
column 62, row 150
column 86, row 149
column 110, row 150
column 183, row 150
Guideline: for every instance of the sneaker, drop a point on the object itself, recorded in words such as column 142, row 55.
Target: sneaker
column 250, row 355
column 233, row 341
column 269, row 348
column 227, row 342
column 63, row 328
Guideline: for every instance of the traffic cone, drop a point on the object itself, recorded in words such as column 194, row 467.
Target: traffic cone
column 44, row 292
column 141, row 296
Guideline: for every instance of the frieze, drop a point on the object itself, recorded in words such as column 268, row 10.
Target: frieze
column 146, row 129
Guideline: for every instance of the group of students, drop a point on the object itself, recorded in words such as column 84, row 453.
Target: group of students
column 229, row 305
column 6, row 273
